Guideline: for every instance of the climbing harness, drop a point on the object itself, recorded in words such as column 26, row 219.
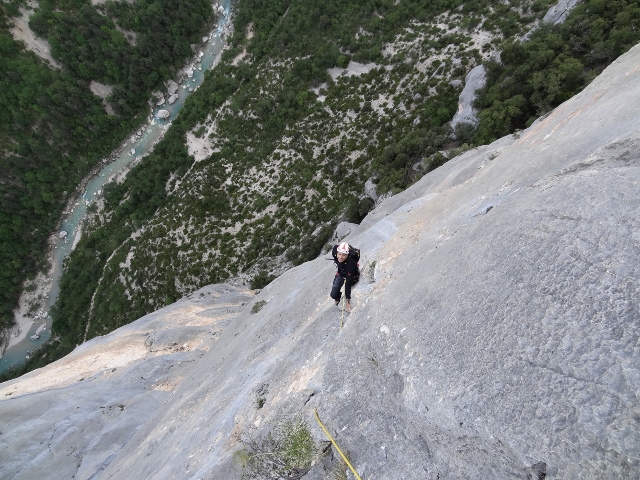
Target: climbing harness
column 336, row 445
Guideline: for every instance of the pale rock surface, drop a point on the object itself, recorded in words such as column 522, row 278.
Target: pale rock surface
column 172, row 87
column 496, row 337
column 353, row 68
column 474, row 80
column 370, row 190
column 342, row 230
column 173, row 98
column 103, row 91
column 558, row 13
column 163, row 114
column 70, row 419
column 21, row 32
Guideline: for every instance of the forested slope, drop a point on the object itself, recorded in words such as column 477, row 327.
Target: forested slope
column 53, row 130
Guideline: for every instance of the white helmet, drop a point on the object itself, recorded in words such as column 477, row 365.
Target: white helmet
column 343, row 248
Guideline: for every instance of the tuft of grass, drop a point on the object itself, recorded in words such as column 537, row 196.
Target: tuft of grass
column 285, row 452
column 258, row 306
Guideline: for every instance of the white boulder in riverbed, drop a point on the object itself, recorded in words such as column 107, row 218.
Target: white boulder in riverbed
column 163, row 114
column 62, row 234
column 173, row 98
column 132, row 151
column 172, row 87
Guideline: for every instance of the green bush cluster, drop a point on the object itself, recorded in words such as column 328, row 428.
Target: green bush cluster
column 556, row 63
column 285, row 452
column 53, row 130
column 85, row 39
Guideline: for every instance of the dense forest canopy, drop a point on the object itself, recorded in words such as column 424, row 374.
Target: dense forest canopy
column 557, row 62
column 53, row 130
column 291, row 146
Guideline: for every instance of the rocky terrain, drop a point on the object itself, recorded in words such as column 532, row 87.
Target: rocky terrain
column 494, row 333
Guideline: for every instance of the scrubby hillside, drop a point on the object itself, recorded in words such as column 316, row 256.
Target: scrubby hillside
column 494, row 333
column 311, row 100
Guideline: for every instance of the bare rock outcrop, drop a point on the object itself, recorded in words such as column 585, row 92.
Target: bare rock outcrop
column 558, row 13
column 172, row 87
column 474, row 80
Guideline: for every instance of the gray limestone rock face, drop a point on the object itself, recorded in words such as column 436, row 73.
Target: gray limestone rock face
column 342, row 230
column 53, row 428
column 558, row 13
column 173, row 98
column 474, row 80
column 370, row 190
column 163, row 114
column 494, row 334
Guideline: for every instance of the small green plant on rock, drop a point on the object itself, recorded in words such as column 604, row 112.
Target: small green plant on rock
column 285, row 452
column 258, row 306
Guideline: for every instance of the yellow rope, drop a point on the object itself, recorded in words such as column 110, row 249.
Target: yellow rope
column 342, row 316
column 336, row 445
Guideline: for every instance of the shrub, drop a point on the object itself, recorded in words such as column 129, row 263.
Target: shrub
column 257, row 307
column 358, row 208
column 285, row 452
column 261, row 280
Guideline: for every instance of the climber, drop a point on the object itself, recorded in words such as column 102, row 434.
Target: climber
column 346, row 258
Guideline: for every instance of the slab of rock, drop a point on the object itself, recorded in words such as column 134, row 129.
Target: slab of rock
column 558, row 13
column 172, row 87
column 370, row 188
column 173, row 98
column 132, row 151
column 474, row 80
column 62, row 234
column 342, row 230
column 160, row 101
column 163, row 114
